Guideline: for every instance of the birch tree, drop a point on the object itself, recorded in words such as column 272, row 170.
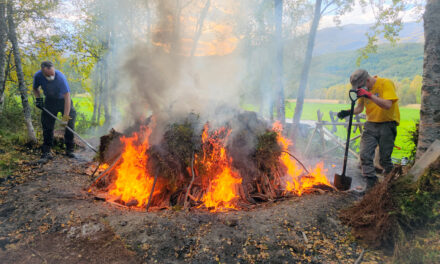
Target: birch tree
column 3, row 41
column 12, row 34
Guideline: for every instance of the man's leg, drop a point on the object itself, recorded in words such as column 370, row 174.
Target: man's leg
column 68, row 135
column 388, row 132
column 369, row 142
column 48, row 124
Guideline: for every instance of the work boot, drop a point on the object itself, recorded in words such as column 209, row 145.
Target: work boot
column 45, row 157
column 70, row 154
column 371, row 182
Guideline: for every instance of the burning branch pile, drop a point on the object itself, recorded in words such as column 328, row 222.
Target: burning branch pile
column 234, row 166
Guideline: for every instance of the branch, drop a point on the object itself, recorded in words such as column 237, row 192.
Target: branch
column 152, row 189
column 297, row 160
column 190, row 184
column 328, row 5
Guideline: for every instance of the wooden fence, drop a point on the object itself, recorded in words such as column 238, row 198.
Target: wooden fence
column 320, row 128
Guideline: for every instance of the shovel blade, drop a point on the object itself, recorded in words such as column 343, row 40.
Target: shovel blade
column 342, row 182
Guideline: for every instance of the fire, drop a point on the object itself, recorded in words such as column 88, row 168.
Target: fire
column 296, row 181
column 221, row 192
column 215, row 185
column 133, row 181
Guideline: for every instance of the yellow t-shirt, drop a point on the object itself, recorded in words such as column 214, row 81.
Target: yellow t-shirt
column 383, row 88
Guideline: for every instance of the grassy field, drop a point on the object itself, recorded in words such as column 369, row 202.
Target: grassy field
column 408, row 116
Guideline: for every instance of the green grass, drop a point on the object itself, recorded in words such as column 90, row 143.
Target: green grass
column 408, row 117
column 84, row 105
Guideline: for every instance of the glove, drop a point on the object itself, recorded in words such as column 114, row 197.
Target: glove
column 343, row 114
column 65, row 119
column 39, row 103
column 363, row 93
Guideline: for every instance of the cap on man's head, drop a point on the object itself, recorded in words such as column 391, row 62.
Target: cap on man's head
column 358, row 78
column 46, row 64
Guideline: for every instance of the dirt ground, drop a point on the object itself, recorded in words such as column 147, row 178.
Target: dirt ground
column 50, row 218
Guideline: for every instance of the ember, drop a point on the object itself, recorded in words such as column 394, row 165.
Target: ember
column 214, row 169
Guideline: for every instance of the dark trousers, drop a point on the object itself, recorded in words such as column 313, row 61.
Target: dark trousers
column 56, row 106
column 382, row 134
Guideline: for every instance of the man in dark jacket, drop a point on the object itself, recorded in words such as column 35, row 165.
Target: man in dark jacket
column 57, row 99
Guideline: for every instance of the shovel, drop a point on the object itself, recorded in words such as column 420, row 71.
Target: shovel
column 71, row 130
column 342, row 182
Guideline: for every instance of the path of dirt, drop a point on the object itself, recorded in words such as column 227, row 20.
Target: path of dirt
column 51, row 219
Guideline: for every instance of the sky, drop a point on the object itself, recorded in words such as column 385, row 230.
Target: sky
column 67, row 14
column 361, row 15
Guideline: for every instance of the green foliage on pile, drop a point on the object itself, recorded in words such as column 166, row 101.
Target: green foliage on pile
column 182, row 141
column 418, row 203
column 267, row 151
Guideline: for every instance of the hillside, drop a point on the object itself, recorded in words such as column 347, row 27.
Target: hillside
column 352, row 37
column 399, row 62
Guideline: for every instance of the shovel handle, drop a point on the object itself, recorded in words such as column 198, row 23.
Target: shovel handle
column 350, row 122
column 71, row 130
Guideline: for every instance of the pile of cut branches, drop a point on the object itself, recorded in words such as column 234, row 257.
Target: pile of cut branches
column 189, row 156
column 395, row 208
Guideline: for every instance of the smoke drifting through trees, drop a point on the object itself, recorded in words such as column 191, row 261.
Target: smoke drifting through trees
column 151, row 67
column 150, row 64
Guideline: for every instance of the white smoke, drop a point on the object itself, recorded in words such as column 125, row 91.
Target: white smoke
column 154, row 73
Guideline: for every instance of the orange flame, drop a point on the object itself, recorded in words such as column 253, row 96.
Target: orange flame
column 221, row 193
column 133, row 180
column 296, row 182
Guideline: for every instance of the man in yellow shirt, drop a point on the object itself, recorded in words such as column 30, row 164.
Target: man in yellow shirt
column 381, row 103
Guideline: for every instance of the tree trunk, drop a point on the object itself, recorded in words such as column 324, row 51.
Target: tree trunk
column 149, row 26
column 306, row 67
column 429, row 129
column 113, row 82
column 20, row 75
column 101, row 84
column 199, row 28
column 105, row 97
column 7, row 72
column 281, row 109
column 98, row 120
column 96, row 92
column 3, row 41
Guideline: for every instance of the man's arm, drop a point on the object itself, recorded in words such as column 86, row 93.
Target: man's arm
column 66, row 91
column 382, row 103
column 37, row 92
column 359, row 107
column 66, row 104
column 36, row 87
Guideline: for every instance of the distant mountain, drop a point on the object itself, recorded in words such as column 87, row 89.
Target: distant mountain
column 395, row 62
column 352, row 37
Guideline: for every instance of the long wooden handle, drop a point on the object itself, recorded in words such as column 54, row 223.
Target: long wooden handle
column 71, row 130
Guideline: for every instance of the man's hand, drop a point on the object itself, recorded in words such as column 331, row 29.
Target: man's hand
column 39, row 103
column 363, row 93
column 65, row 119
column 342, row 114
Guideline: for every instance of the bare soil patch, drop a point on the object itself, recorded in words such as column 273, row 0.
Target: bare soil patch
column 51, row 217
